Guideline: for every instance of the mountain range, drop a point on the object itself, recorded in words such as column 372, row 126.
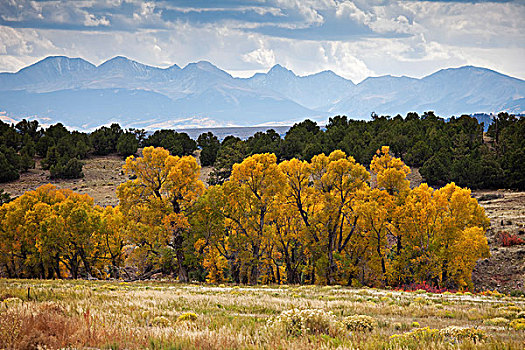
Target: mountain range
column 84, row 96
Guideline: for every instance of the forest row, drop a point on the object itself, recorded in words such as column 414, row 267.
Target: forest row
column 455, row 150
column 328, row 220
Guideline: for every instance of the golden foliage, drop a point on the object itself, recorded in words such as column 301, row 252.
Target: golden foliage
column 295, row 222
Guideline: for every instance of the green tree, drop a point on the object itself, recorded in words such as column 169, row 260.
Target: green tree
column 9, row 164
column 179, row 144
column 67, row 168
column 209, row 145
column 231, row 152
column 127, row 144
column 104, row 139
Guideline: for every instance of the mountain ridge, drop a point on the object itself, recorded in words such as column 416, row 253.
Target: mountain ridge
column 133, row 91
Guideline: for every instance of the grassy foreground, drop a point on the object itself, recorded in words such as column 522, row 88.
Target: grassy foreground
column 156, row 315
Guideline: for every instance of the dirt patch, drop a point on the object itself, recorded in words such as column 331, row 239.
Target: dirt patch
column 505, row 269
column 102, row 175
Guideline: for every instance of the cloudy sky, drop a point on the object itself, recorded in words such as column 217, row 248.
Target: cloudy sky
column 354, row 38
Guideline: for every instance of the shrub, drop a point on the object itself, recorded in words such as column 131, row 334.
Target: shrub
column 11, row 302
column 507, row 239
column 453, row 334
column 45, row 326
column 518, row 324
column 424, row 287
column 456, row 334
column 161, row 321
column 67, row 169
column 489, row 197
column 4, row 197
column 418, row 334
column 360, row 323
column 187, row 316
column 308, row 321
column 496, row 321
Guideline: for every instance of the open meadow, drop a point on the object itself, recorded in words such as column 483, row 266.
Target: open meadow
column 119, row 315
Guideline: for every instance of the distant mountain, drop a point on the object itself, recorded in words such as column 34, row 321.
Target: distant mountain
column 82, row 95
column 453, row 91
column 312, row 91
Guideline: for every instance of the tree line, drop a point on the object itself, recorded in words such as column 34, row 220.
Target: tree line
column 444, row 151
column 61, row 151
column 325, row 221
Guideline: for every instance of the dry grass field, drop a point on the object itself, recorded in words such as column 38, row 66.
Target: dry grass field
column 155, row 315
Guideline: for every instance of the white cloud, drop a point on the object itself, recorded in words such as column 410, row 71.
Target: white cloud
column 306, row 9
column 18, row 46
column 263, row 57
column 408, row 37
column 348, row 9
column 91, row 20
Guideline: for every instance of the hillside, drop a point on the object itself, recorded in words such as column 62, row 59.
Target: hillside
column 82, row 95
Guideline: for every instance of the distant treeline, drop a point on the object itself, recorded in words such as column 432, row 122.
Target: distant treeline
column 62, row 151
column 444, row 151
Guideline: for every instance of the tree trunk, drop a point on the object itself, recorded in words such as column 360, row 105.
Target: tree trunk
column 254, row 271
column 290, row 273
column 177, row 245
column 235, row 271
column 115, row 273
column 74, row 266
column 383, row 267
column 278, row 274
column 312, row 277
column 183, row 272
column 332, row 267
column 8, row 270
column 56, row 266
column 86, row 264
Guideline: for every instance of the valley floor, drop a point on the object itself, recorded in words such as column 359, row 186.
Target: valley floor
column 94, row 314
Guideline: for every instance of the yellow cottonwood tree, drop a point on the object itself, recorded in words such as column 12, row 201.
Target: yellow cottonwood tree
column 293, row 227
column 158, row 200
column 391, row 172
column 80, row 222
column 47, row 228
column 249, row 198
column 373, row 208
column 443, row 236
column 290, row 240
column 322, row 193
column 336, row 181
column 293, row 222
column 110, row 240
